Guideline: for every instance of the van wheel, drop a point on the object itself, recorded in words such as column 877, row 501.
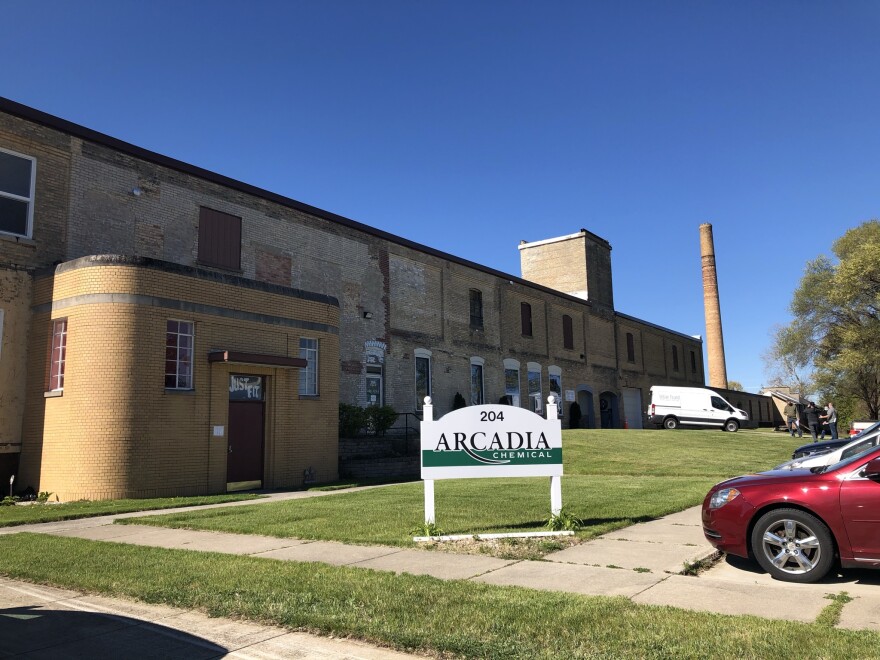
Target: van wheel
column 670, row 423
column 731, row 425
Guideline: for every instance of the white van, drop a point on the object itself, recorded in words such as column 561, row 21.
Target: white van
column 692, row 406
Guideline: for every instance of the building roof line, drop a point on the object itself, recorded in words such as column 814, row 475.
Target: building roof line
column 57, row 123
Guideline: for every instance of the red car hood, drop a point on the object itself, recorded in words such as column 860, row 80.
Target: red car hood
column 769, row 478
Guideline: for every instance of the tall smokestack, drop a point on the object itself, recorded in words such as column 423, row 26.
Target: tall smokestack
column 712, row 303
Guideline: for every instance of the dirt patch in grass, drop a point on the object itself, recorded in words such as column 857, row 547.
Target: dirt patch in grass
column 510, row 548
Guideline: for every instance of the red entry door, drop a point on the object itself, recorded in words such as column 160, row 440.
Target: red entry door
column 244, row 460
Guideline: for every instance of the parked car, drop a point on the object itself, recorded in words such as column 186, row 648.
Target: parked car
column 797, row 523
column 672, row 407
column 825, row 446
column 859, row 425
column 853, row 446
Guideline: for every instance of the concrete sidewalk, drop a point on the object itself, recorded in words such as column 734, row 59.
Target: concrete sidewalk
column 644, row 562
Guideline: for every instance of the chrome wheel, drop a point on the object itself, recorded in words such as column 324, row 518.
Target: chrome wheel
column 793, row 545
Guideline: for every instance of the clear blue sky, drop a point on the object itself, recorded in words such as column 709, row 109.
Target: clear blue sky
column 469, row 126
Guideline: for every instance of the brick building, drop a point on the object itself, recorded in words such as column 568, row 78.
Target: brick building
column 117, row 263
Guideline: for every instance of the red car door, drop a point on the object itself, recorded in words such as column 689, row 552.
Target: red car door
column 860, row 510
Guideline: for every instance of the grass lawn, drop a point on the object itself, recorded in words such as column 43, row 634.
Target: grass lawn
column 24, row 514
column 612, row 479
column 443, row 618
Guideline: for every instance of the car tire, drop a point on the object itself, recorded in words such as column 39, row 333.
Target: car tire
column 793, row 545
column 731, row 425
column 670, row 423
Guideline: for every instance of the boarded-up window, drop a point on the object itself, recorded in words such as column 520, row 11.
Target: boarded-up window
column 567, row 334
column 219, row 239
column 630, row 347
column 675, row 358
column 693, row 362
column 476, row 305
column 525, row 312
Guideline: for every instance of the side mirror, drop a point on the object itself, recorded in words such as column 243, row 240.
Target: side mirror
column 872, row 469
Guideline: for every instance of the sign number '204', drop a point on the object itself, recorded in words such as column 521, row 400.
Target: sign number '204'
column 491, row 416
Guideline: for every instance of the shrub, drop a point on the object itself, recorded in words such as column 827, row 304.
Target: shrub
column 380, row 418
column 458, row 401
column 574, row 416
column 351, row 420
column 564, row 521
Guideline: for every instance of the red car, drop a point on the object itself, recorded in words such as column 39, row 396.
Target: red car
column 795, row 523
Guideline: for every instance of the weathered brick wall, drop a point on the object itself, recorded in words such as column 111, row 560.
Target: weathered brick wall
column 115, row 431
column 15, row 316
column 558, row 264
column 390, row 294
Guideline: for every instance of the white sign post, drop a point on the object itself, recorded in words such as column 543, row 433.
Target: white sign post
column 491, row 441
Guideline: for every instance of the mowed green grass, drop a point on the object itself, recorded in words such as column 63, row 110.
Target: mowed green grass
column 452, row 618
column 25, row 514
column 612, row 479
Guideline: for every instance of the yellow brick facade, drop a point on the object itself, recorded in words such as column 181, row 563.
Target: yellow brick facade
column 116, row 431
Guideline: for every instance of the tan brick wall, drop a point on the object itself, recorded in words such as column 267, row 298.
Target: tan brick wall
column 560, row 265
column 414, row 298
column 117, row 432
column 15, row 309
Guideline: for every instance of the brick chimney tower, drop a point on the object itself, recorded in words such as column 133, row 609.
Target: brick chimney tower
column 712, row 304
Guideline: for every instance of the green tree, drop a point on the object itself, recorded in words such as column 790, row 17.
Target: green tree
column 836, row 326
column 735, row 385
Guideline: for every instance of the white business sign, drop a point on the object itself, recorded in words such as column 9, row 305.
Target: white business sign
column 491, row 441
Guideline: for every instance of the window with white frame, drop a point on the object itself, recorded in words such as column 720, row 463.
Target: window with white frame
column 477, row 397
column 422, row 376
column 554, row 377
column 511, row 381
column 534, row 382
column 308, row 375
column 58, row 355
column 179, row 336
column 17, row 177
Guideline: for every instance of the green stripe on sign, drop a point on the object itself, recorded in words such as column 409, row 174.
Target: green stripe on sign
column 507, row 458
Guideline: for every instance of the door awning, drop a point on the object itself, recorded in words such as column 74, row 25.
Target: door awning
column 257, row 358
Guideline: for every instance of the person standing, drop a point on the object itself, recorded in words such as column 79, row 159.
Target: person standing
column 812, row 414
column 830, row 418
column 791, row 419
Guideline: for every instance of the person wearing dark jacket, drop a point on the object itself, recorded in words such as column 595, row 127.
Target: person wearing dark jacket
column 812, row 414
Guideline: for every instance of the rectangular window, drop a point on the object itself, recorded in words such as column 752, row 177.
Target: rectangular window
column 567, row 333
column 476, row 384
column 630, row 347
column 675, row 358
column 476, row 306
column 423, row 380
column 693, row 362
column 219, row 239
column 555, row 384
column 58, row 356
column 179, row 355
column 534, row 378
column 308, row 375
column 511, row 385
column 17, row 177
column 525, row 312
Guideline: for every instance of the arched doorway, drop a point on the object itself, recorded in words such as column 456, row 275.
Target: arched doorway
column 609, row 413
column 585, row 401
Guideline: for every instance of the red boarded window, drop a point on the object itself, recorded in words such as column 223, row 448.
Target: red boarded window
column 567, row 334
column 219, row 239
column 525, row 313
column 58, row 354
